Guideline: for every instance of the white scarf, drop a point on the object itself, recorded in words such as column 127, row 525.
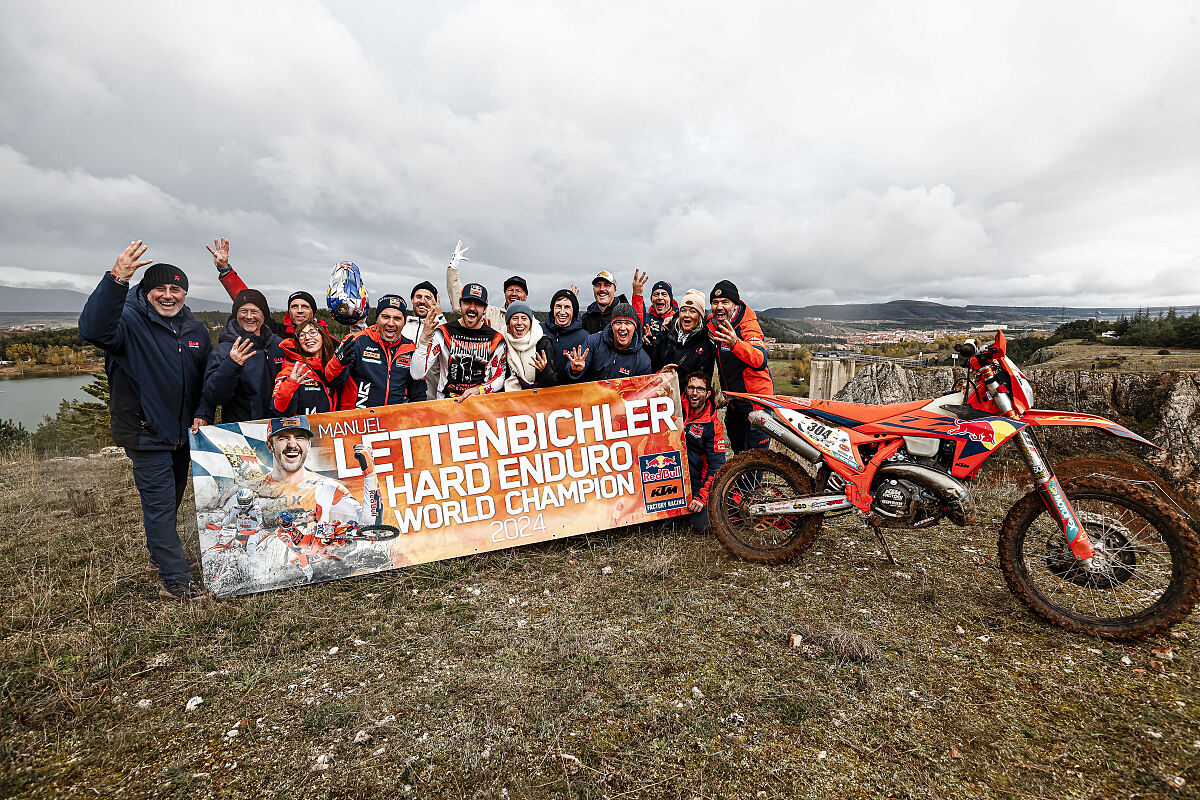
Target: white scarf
column 521, row 372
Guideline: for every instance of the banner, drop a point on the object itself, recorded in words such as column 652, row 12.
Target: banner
column 277, row 507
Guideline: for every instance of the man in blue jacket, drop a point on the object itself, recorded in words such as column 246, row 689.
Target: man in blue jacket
column 615, row 352
column 154, row 354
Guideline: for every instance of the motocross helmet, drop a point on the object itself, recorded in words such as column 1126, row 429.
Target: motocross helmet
column 245, row 498
column 285, row 518
column 347, row 296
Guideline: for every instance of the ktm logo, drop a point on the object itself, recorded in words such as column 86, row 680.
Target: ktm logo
column 663, row 491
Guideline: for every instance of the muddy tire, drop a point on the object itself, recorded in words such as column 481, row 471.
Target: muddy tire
column 1152, row 577
column 758, row 475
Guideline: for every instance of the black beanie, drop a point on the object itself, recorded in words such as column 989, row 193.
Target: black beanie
column 306, row 297
column 725, row 289
column 427, row 286
column 567, row 293
column 624, row 311
column 251, row 297
column 161, row 274
column 391, row 301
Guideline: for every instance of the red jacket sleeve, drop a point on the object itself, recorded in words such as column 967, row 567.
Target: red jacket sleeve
column 285, row 388
column 232, row 283
column 639, row 306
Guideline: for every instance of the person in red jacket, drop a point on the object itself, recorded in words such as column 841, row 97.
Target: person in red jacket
column 301, row 305
column 741, row 361
column 300, row 386
column 705, row 437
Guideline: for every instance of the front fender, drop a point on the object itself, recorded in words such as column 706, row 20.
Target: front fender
column 1048, row 419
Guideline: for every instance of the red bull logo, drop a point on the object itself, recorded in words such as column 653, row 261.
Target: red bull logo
column 662, row 481
column 988, row 432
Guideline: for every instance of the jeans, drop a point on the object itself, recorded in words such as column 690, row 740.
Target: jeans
column 161, row 477
column 743, row 435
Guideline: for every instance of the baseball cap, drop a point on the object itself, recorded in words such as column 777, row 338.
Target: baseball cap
column 604, row 275
column 284, row 424
column 474, row 291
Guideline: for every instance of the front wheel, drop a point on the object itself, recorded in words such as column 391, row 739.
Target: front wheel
column 1146, row 574
column 758, row 476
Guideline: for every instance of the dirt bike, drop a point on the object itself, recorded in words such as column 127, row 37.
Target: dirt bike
column 1094, row 554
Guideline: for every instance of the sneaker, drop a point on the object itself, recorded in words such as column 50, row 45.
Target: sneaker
column 190, row 592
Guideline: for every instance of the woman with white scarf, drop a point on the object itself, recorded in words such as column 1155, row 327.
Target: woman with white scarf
column 530, row 360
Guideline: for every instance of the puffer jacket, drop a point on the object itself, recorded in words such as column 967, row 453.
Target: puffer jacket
column 689, row 352
column 155, row 370
column 312, row 394
column 605, row 362
column 243, row 391
column 378, row 372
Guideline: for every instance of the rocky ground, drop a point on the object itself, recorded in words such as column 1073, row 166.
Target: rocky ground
column 638, row 663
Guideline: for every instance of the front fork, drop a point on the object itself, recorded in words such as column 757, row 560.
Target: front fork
column 1046, row 483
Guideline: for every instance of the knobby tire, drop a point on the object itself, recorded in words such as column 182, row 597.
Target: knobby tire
column 783, row 541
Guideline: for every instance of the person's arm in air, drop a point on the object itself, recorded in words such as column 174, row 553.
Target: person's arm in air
column 453, row 284
column 430, row 344
column 225, row 274
column 637, row 301
column 101, row 321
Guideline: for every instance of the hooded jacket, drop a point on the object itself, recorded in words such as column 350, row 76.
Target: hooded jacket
column 565, row 338
column 155, row 372
column 378, row 372
column 743, row 367
column 689, row 352
column 312, row 394
column 705, row 437
column 242, row 390
column 605, row 362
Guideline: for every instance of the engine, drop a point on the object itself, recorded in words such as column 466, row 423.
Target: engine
column 903, row 503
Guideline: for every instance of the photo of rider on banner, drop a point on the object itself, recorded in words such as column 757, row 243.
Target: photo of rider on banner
column 306, row 499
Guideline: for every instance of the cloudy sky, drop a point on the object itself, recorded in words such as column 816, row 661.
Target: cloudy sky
column 1031, row 153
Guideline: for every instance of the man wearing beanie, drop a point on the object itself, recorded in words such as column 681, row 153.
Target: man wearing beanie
column 515, row 289
column 424, row 299
column 240, row 374
column 661, row 311
column 154, row 355
column 615, row 352
column 301, row 305
column 565, row 329
column 466, row 357
column 379, row 360
column 684, row 343
column 741, row 361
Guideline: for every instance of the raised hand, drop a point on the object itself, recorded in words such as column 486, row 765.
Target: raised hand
column 574, row 290
column 300, row 372
column 578, row 358
column 539, row 360
column 430, row 324
column 128, row 262
column 368, row 456
column 220, row 253
column 242, row 350
column 460, row 254
column 639, row 281
column 724, row 334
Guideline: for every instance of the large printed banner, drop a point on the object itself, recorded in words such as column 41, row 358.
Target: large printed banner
column 447, row 479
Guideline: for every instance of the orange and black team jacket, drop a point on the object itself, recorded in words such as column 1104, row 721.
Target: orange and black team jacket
column 379, row 372
column 312, row 394
column 743, row 367
column 705, row 437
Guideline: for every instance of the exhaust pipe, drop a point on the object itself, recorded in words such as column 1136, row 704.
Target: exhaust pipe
column 960, row 503
column 788, row 438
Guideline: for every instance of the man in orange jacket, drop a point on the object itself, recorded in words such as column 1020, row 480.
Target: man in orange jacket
column 741, row 361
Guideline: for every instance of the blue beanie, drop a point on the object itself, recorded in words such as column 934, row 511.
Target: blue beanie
column 518, row 307
column 663, row 285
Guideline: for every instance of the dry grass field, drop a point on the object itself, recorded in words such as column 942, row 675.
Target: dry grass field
column 1072, row 354
column 541, row 672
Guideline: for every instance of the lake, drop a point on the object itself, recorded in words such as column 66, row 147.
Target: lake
column 28, row 400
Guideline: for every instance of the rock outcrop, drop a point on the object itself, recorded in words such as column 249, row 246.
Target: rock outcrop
column 1163, row 407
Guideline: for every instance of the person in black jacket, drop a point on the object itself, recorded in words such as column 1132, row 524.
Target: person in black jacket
column 604, row 287
column 615, row 352
column 154, row 354
column 683, row 342
column 240, row 375
column 379, row 361
column 565, row 329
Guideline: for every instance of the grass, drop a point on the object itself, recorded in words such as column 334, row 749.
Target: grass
column 534, row 673
column 1101, row 357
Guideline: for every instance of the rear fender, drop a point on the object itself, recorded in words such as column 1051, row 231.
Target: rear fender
column 1052, row 419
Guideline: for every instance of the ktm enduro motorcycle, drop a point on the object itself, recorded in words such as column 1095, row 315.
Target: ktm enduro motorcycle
column 1093, row 553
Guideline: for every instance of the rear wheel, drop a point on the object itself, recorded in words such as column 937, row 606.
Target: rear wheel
column 376, row 533
column 758, row 476
column 1147, row 574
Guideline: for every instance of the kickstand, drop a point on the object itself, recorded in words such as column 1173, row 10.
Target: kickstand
column 887, row 550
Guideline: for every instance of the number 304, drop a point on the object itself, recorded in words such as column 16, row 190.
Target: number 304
column 510, row 528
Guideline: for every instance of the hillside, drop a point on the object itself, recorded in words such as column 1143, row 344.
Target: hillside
column 18, row 299
column 923, row 311
column 635, row 663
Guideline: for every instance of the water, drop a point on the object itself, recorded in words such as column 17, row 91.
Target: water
column 28, row 400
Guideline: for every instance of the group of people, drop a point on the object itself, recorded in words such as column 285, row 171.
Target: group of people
column 165, row 377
